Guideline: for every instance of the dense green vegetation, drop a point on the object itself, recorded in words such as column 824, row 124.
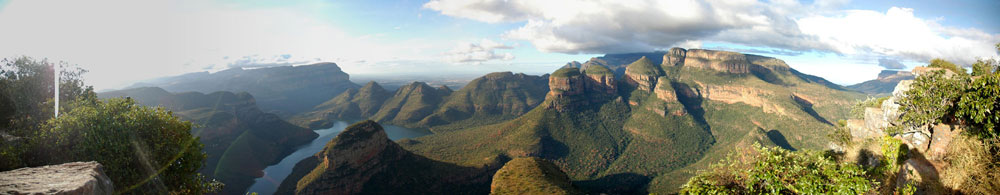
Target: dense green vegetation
column 643, row 67
column 143, row 149
column 765, row 170
column 936, row 98
column 531, row 176
column 941, row 63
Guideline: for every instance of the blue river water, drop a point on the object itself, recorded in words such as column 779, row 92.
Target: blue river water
column 274, row 174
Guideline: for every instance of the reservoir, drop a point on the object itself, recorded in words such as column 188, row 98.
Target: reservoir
column 274, row 174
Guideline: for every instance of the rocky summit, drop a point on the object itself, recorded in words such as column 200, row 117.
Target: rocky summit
column 69, row 178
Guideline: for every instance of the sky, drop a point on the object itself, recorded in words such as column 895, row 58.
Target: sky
column 124, row 41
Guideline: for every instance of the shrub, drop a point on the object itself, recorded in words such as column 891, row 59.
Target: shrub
column 142, row 149
column 778, row 171
column 931, row 97
column 941, row 63
column 978, row 106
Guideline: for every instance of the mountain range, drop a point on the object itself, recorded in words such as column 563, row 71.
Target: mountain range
column 628, row 123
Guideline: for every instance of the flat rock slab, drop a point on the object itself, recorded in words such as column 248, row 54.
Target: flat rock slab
column 68, row 178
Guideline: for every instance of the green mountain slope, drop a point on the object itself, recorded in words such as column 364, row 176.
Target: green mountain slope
column 647, row 138
column 489, row 99
column 648, row 128
column 352, row 104
column 531, row 176
column 410, row 104
column 362, row 160
column 240, row 140
column 493, row 98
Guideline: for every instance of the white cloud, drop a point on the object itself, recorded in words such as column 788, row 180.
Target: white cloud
column 898, row 33
column 484, row 50
column 122, row 41
column 609, row 26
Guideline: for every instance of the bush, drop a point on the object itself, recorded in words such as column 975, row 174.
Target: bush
column 978, row 106
column 931, row 97
column 142, row 149
column 778, row 171
column 858, row 109
column 941, row 63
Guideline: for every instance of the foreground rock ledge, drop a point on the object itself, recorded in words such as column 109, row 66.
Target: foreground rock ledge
column 68, row 178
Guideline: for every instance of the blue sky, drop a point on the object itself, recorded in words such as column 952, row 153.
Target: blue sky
column 844, row 41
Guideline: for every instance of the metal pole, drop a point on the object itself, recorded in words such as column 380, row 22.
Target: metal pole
column 55, row 77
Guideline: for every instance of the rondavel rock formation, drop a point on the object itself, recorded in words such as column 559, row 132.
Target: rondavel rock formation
column 68, row 178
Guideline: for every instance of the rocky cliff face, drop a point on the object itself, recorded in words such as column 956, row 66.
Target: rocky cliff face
column 68, row 178
column 723, row 61
column 643, row 74
column 600, row 79
column 675, row 57
column 571, row 87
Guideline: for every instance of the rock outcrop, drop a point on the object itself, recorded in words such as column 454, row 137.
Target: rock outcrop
column 664, row 91
column 566, row 86
column 722, row 61
column 675, row 57
column 643, row 74
column 885, row 83
column 531, row 175
column 600, row 79
column 68, row 178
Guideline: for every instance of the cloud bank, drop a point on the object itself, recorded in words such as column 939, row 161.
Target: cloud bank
column 480, row 52
column 608, row 26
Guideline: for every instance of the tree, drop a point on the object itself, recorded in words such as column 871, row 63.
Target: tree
column 142, row 148
column 930, row 98
column 26, row 91
column 941, row 63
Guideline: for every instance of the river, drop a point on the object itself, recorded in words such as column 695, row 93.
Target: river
column 273, row 175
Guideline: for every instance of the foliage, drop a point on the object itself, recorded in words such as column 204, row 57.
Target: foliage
column 840, row 134
column 985, row 67
column 858, row 109
column 143, row 149
column 777, row 171
column 931, row 97
column 893, row 154
column 941, row 63
column 26, row 89
column 979, row 105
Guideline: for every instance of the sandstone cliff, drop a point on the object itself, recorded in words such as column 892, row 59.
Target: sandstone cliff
column 642, row 74
column 722, row 61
